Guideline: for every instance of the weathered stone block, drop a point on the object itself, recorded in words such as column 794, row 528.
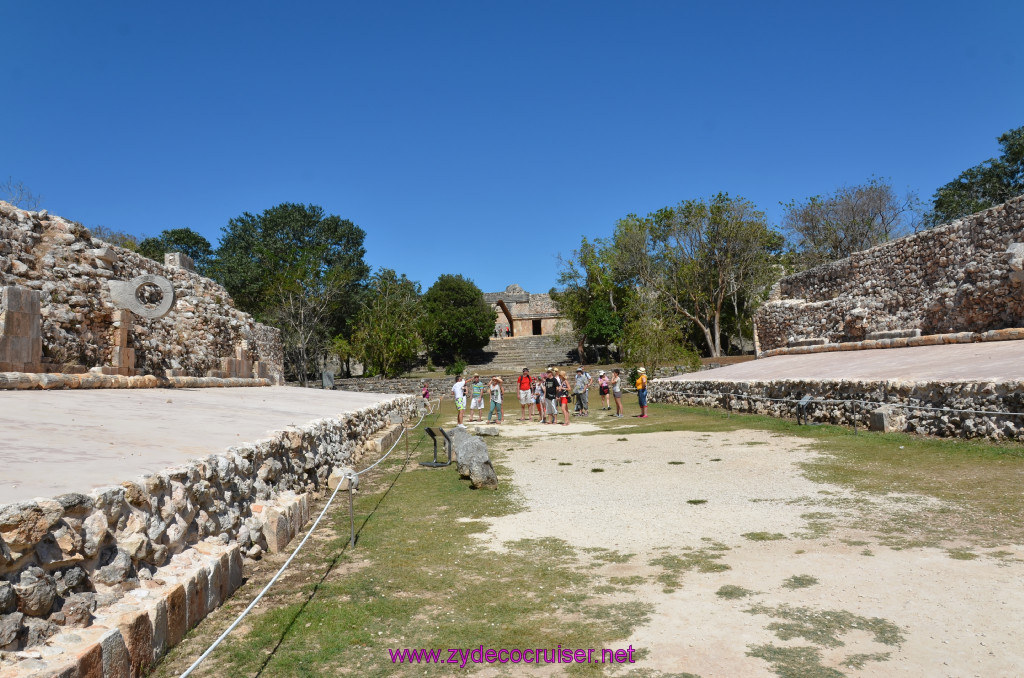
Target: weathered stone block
column 137, row 633
column 116, row 660
column 177, row 614
column 89, row 661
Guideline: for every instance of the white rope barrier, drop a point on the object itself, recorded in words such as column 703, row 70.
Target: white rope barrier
column 302, row 543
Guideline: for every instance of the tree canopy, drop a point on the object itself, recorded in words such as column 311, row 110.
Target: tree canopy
column 386, row 337
column 824, row 228
column 456, row 319
column 988, row 183
column 183, row 240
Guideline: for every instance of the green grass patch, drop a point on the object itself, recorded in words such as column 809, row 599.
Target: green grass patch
column 825, row 627
column 800, row 581
column 763, row 536
column 961, row 554
column 696, row 502
column 597, row 470
column 733, row 592
column 676, row 463
column 699, row 560
column 565, row 463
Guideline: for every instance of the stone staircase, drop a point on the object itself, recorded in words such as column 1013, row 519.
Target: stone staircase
column 512, row 354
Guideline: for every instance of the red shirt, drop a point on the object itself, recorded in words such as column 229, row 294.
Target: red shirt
column 524, row 383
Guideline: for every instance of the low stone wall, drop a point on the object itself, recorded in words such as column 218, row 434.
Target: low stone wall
column 1009, row 334
column 965, row 276
column 904, row 400
column 439, row 386
column 10, row 381
column 61, row 558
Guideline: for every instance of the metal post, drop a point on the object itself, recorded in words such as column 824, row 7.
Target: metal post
column 351, row 517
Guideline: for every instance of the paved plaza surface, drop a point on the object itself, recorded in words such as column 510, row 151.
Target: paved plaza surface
column 989, row 361
column 75, row 440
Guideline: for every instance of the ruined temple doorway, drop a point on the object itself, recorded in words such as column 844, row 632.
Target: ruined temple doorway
column 508, row 317
column 536, row 327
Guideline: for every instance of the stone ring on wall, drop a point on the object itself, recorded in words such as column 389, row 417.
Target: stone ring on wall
column 147, row 296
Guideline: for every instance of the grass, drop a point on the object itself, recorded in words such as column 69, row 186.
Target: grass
column 696, row 502
column 826, row 627
column 700, row 560
column 733, row 592
column 763, row 536
column 415, row 579
column 800, row 581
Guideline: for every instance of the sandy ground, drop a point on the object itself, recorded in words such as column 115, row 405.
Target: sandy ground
column 958, row 617
column 74, row 440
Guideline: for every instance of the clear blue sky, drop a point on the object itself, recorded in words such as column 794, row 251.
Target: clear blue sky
column 487, row 137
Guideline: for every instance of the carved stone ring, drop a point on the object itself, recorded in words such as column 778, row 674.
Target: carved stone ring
column 147, row 296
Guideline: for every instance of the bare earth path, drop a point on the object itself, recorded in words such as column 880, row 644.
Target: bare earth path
column 808, row 593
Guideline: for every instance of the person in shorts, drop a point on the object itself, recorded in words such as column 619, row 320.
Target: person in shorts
column 551, row 387
column 538, row 398
column 525, row 394
column 476, row 399
column 641, row 392
column 459, row 391
column 496, row 390
column 604, row 390
column 616, row 386
column 581, row 390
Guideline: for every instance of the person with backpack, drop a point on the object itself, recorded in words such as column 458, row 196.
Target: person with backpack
column 551, row 387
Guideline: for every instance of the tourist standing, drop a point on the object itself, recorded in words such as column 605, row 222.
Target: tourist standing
column 616, row 386
column 538, row 398
column 551, row 395
column 641, row 392
column 426, row 393
column 582, row 391
column 476, row 399
column 496, row 388
column 563, row 395
column 525, row 393
column 459, row 390
column 603, row 390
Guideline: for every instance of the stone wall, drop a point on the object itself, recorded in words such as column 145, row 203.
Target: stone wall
column 67, row 272
column 965, row 276
column 60, row 558
column 901, row 402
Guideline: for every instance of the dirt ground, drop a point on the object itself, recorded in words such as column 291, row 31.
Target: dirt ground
column 684, row 514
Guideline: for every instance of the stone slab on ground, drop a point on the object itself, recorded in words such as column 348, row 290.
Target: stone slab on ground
column 995, row 361
column 71, row 441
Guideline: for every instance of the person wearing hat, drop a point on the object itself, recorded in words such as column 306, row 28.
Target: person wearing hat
column 525, row 394
column 641, row 392
column 495, row 389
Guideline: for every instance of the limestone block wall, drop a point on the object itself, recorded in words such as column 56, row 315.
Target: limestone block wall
column 969, row 397
column 961, row 277
column 61, row 558
column 80, row 327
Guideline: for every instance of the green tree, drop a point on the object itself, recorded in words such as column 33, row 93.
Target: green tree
column 696, row 256
column 651, row 337
column 824, row 228
column 183, row 240
column 589, row 296
column 456, row 319
column 385, row 336
column 989, row 183
column 299, row 269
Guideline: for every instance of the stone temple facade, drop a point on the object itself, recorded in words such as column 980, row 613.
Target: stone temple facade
column 526, row 314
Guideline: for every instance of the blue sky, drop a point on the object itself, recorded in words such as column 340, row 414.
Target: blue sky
column 485, row 138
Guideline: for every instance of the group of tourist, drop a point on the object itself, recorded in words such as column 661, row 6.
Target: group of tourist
column 548, row 395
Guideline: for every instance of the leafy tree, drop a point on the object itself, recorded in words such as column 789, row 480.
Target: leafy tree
column 456, row 319
column 385, row 336
column 824, row 228
column 696, row 256
column 589, row 297
column 989, row 183
column 297, row 268
column 256, row 250
column 650, row 337
column 19, row 195
column 183, row 240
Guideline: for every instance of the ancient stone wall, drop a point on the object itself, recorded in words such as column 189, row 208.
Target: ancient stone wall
column 62, row 558
column 965, row 276
column 964, row 409
column 68, row 273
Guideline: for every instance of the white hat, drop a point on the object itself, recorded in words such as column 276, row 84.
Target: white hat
column 642, row 371
column 600, row 373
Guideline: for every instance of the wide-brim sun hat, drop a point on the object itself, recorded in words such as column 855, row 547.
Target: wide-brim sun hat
column 642, row 371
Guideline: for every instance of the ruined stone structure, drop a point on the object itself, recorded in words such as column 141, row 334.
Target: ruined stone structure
column 963, row 277
column 70, row 303
column 526, row 314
